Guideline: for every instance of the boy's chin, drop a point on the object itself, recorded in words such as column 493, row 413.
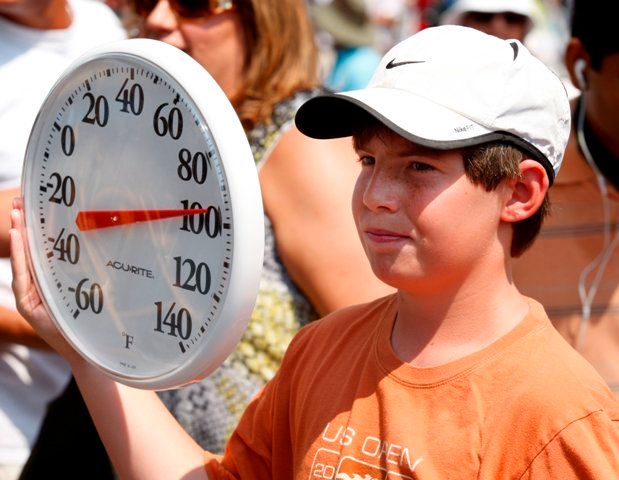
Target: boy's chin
column 400, row 278
column 414, row 279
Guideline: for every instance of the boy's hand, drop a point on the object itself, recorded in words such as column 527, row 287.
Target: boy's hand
column 27, row 298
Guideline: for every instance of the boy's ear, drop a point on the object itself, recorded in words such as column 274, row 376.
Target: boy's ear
column 527, row 192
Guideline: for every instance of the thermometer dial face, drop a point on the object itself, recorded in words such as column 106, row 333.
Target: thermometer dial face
column 143, row 214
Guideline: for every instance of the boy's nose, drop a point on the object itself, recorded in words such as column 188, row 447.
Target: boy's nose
column 380, row 192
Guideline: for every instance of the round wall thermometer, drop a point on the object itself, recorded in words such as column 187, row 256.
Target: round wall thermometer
column 143, row 214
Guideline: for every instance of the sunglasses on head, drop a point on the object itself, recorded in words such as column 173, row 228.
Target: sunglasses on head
column 190, row 9
column 486, row 17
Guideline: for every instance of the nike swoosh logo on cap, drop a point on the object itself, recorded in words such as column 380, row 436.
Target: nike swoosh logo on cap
column 393, row 63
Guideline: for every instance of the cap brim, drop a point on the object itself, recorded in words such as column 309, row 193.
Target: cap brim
column 413, row 117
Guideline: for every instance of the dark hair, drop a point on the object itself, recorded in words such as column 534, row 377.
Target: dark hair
column 486, row 165
column 594, row 25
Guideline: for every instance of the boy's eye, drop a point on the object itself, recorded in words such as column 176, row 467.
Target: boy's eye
column 420, row 166
column 366, row 160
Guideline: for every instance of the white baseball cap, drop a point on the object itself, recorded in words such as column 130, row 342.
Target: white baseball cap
column 454, row 14
column 449, row 87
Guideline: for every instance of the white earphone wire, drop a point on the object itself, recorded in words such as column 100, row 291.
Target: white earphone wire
column 600, row 262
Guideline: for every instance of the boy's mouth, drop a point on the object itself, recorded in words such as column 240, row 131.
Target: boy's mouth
column 384, row 236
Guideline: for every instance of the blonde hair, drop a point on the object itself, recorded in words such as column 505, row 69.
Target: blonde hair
column 281, row 56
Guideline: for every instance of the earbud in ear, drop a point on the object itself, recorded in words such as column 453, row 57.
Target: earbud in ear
column 579, row 71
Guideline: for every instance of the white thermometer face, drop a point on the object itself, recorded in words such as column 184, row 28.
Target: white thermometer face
column 131, row 220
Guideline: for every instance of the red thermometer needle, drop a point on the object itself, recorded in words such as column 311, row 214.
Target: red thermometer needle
column 93, row 219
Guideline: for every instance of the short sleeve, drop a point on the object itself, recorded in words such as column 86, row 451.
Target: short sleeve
column 248, row 451
column 586, row 449
column 260, row 448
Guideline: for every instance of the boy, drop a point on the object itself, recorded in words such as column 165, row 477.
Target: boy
column 456, row 375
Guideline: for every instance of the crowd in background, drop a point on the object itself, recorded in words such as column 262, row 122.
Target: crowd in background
column 352, row 27
column 352, row 35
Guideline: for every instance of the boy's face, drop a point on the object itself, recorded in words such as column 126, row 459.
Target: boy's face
column 421, row 221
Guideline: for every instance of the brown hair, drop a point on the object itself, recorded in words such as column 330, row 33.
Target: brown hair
column 281, row 55
column 489, row 164
column 486, row 165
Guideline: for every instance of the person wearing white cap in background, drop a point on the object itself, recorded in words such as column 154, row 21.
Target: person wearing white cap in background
column 541, row 25
column 502, row 18
column 457, row 375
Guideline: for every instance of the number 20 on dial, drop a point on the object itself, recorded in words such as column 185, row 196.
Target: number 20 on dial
column 143, row 214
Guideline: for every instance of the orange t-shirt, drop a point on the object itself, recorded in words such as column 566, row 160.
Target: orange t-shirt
column 343, row 406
